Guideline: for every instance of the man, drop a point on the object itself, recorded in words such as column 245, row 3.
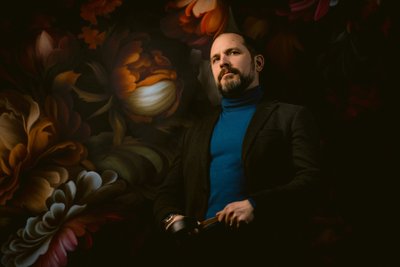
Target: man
column 252, row 166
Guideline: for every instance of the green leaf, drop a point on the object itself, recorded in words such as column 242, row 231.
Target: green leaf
column 89, row 97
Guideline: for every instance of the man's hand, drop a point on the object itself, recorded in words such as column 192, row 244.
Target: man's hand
column 236, row 213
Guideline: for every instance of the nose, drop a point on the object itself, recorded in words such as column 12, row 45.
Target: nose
column 224, row 62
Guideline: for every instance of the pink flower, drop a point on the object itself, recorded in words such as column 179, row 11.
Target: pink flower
column 307, row 9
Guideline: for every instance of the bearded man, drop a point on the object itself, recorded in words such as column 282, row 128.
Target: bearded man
column 251, row 168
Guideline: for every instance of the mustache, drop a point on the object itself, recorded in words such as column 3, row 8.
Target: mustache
column 226, row 70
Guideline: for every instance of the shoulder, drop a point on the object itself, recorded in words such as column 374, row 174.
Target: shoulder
column 294, row 111
column 272, row 103
column 200, row 125
column 290, row 107
column 281, row 108
column 284, row 115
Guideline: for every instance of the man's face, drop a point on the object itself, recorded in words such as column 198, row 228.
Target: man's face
column 232, row 65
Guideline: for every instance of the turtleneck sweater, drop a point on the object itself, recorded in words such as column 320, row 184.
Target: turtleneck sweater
column 226, row 170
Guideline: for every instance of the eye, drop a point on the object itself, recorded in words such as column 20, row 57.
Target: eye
column 214, row 60
column 234, row 52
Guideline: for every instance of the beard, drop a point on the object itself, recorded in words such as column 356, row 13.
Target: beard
column 234, row 88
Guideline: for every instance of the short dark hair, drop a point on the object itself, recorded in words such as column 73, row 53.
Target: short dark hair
column 250, row 43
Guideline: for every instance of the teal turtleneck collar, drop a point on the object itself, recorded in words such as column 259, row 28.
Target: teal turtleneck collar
column 250, row 97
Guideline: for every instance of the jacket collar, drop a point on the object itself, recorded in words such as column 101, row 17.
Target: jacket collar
column 261, row 116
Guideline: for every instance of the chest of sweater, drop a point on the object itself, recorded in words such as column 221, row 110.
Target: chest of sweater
column 229, row 132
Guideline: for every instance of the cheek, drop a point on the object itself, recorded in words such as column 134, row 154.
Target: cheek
column 244, row 65
column 215, row 73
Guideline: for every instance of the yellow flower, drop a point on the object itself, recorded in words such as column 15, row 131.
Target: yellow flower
column 34, row 157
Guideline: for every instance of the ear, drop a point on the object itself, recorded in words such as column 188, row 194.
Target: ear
column 259, row 62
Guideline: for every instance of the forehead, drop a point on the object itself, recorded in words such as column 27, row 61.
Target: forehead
column 226, row 41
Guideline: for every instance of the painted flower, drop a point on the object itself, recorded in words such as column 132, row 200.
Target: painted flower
column 143, row 83
column 44, row 46
column 307, row 9
column 127, row 159
column 367, row 13
column 255, row 27
column 357, row 100
column 283, row 48
column 51, row 49
column 46, row 239
column 34, row 157
column 68, row 122
column 94, row 8
column 31, row 68
column 195, row 21
column 93, row 37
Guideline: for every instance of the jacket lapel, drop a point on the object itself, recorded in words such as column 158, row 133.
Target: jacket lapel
column 262, row 114
column 204, row 142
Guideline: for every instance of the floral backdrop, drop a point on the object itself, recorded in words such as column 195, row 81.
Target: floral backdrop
column 94, row 95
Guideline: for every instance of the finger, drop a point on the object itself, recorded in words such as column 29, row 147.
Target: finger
column 229, row 220
column 220, row 215
column 233, row 222
column 230, row 217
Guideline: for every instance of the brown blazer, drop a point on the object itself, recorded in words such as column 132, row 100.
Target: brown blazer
column 280, row 160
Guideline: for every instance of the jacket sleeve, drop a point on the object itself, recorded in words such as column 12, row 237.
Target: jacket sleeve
column 169, row 198
column 299, row 194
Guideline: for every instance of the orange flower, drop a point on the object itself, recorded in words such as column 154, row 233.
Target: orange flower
column 94, row 8
column 92, row 37
column 144, row 81
column 142, row 85
column 198, row 20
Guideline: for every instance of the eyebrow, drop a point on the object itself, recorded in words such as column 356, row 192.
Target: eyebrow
column 226, row 52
